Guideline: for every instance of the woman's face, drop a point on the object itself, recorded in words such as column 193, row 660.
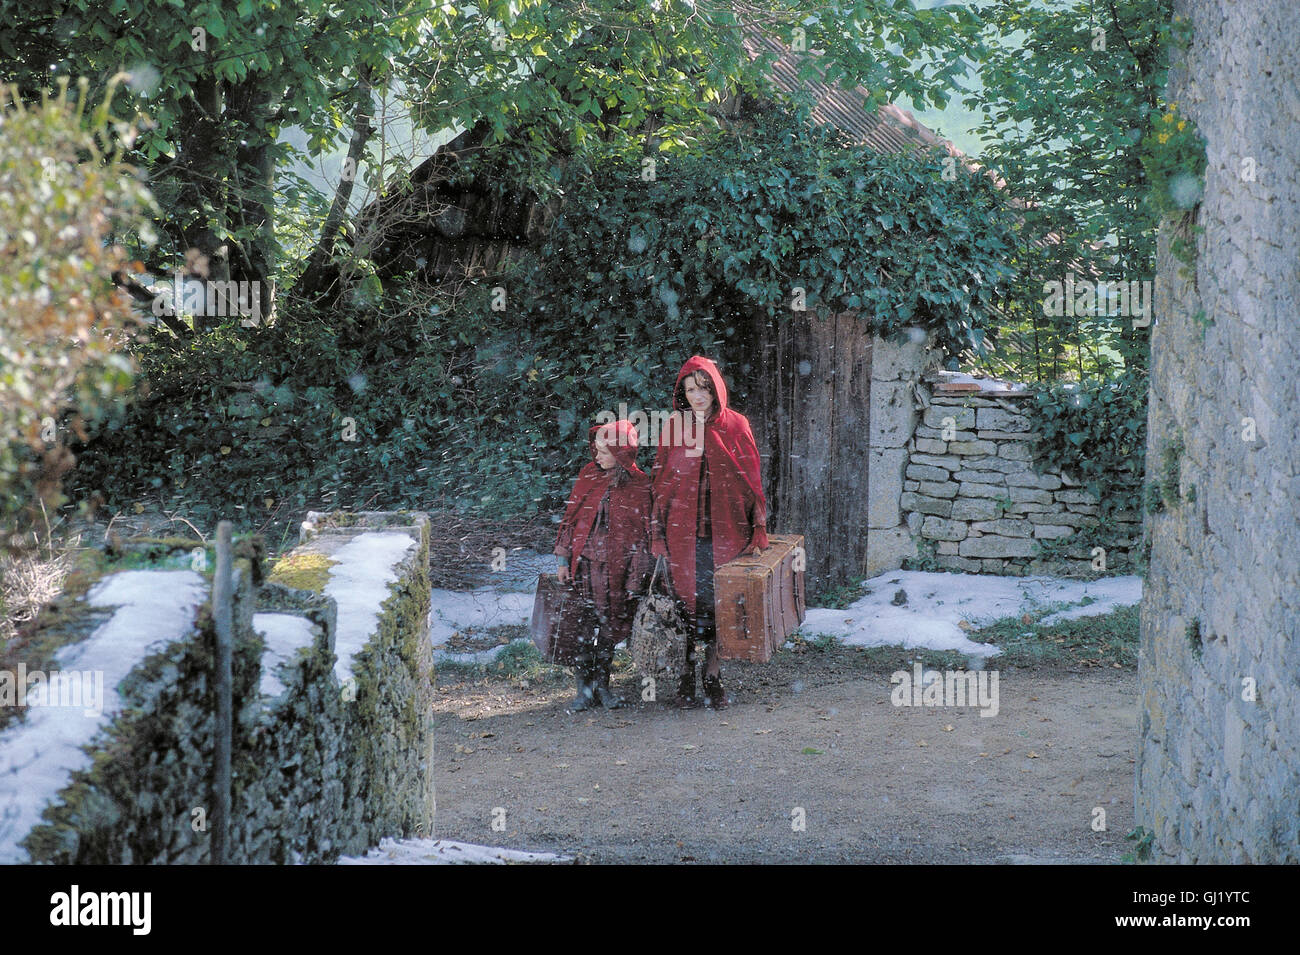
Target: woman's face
column 698, row 396
column 604, row 456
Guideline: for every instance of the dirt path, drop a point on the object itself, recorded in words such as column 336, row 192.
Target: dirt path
column 890, row 784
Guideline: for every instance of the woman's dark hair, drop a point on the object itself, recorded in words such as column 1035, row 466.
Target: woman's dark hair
column 679, row 396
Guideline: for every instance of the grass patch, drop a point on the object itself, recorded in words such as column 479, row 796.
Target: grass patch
column 837, row 598
column 1110, row 640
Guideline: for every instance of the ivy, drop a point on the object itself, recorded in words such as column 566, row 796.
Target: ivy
column 1095, row 431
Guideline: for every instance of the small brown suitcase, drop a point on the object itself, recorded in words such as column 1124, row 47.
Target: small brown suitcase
column 759, row 601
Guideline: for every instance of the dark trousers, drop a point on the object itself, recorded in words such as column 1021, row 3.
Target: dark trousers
column 705, row 628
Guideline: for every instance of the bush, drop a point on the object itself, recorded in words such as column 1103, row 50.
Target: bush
column 1096, row 431
column 64, row 194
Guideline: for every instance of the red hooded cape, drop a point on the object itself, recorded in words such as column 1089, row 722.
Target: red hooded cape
column 629, row 517
column 737, row 507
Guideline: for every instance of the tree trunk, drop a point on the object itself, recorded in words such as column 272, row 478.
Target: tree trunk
column 319, row 273
column 1218, row 764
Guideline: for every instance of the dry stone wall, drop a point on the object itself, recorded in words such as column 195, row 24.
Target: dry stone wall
column 321, row 767
column 973, row 501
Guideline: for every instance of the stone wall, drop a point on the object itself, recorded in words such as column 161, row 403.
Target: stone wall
column 973, row 501
column 1218, row 769
column 321, row 767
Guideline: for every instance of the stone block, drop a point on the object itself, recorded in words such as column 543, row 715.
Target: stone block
column 1026, row 507
column 936, row 528
column 1007, row 527
column 1051, row 531
column 1005, row 435
column 926, row 472
column 949, row 461
column 893, row 416
column 886, row 487
column 1044, row 482
column 931, row 446
column 980, row 477
column 887, row 548
column 1014, row 451
column 972, row 447
column 999, row 419
column 946, row 548
column 925, row 505
column 900, row 360
column 914, row 519
column 911, row 485
column 958, row 563
column 972, row 489
column 1029, row 494
column 963, row 419
column 994, row 546
column 946, row 489
column 979, row 509
column 1071, row 496
column 993, row 463
column 1062, row 518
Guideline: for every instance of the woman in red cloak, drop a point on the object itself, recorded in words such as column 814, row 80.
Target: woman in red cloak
column 603, row 546
column 708, row 506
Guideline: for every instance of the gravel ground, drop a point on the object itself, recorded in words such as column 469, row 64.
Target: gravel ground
column 811, row 730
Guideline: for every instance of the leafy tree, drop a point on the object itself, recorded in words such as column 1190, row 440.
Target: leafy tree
column 1070, row 88
column 64, row 196
column 222, row 80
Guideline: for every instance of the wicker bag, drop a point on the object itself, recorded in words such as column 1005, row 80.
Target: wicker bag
column 658, row 641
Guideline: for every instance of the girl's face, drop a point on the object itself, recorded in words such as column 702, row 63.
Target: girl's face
column 698, row 395
column 604, row 456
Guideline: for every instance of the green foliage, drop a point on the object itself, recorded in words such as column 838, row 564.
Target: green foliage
column 1095, row 430
column 730, row 233
column 1143, row 840
column 1103, row 640
column 1194, row 639
column 64, row 196
column 1068, row 87
column 1165, row 490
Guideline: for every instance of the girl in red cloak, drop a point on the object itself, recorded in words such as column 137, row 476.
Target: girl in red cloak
column 708, row 507
column 603, row 544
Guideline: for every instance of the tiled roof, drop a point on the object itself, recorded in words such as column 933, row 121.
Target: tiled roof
column 888, row 129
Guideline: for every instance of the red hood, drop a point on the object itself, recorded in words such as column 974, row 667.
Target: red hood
column 622, row 439
column 706, row 365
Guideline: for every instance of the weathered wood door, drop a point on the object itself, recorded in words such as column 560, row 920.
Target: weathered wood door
column 808, row 397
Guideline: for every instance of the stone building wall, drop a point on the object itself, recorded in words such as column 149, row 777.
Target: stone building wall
column 1218, row 769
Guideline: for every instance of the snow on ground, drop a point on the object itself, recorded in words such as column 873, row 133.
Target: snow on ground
column 284, row 634
column 359, row 582
column 502, row 597
column 38, row 754
column 443, row 852
column 1110, row 593
column 936, row 603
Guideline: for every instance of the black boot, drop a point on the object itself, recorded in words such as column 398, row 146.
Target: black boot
column 716, row 696
column 584, row 668
column 604, row 695
column 686, row 685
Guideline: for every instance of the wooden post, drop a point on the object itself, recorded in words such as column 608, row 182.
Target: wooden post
column 223, row 620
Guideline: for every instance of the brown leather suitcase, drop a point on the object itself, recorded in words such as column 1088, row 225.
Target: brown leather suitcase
column 759, row 601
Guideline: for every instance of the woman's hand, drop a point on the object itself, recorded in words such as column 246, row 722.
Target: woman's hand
column 755, row 551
